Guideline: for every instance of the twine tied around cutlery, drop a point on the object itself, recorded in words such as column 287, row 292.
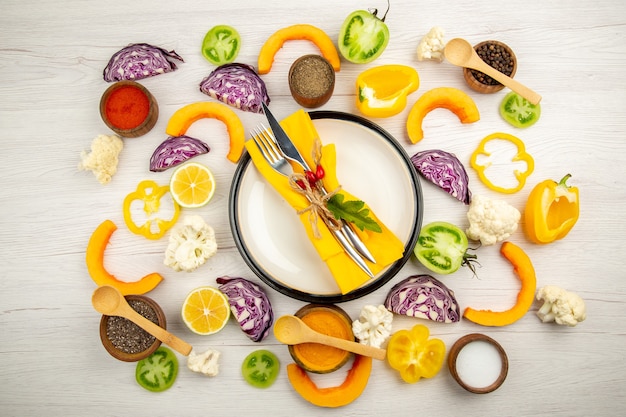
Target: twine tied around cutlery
column 318, row 200
column 317, row 207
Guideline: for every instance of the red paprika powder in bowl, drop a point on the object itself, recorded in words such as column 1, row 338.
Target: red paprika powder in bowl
column 129, row 109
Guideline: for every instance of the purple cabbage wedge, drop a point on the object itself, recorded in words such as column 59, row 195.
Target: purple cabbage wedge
column 139, row 60
column 175, row 150
column 425, row 297
column 250, row 306
column 237, row 85
column 444, row 170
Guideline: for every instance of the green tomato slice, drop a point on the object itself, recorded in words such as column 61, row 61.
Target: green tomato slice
column 158, row 371
column 441, row 247
column 260, row 368
column 363, row 37
column 518, row 111
column 221, row 45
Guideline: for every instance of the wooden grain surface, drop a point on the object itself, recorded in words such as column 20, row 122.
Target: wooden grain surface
column 53, row 53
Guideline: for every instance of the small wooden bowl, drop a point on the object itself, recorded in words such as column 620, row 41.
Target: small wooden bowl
column 132, row 357
column 309, row 355
column 311, row 80
column 479, row 86
column 462, row 343
column 148, row 120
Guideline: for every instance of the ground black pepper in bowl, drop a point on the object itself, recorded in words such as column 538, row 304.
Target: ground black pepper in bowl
column 311, row 80
column 126, row 341
column 497, row 55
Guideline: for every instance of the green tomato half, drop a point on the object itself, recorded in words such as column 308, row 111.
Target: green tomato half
column 518, row 111
column 260, row 368
column 158, row 371
column 363, row 37
column 221, row 45
column 441, row 247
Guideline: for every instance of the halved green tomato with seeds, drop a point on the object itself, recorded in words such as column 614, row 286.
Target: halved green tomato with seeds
column 363, row 37
column 442, row 247
column 221, row 45
column 518, row 111
column 158, row 371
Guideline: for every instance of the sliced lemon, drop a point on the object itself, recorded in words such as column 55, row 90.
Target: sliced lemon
column 192, row 185
column 206, row 310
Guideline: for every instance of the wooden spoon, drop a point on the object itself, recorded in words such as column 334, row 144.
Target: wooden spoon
column 108, row 300
column 293, row 331
column 460, row 52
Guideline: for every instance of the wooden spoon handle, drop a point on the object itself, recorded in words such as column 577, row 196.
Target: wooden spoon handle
column 353, row 347
column 514, row 85
column 160, row 333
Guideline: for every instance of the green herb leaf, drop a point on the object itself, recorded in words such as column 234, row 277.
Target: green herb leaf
column 353, row 212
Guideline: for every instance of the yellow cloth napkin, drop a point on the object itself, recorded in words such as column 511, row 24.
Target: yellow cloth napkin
column 385, row 246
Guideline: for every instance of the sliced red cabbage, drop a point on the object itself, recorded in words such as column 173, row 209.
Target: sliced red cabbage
column 237, row 85
column 139, row 60
column 250, row 306
column 175, row 150
column 444, row 170
column 425, row 297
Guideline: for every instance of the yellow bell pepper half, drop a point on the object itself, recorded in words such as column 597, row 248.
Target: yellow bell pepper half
column 552, row 210
column 382, row 91
column 521, row 155
column 414, row 355
column 150, row 193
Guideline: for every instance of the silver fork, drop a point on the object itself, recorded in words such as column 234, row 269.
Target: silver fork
column 266, row 143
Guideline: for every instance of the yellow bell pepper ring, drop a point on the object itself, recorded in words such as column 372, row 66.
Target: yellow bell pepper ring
column 521, row 155
column 382, row 91
column 150, row 193
column 552, row 210
column 414, row 355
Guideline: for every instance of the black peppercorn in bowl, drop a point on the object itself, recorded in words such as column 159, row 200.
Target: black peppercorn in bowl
column 499, row 56
column 126, row 341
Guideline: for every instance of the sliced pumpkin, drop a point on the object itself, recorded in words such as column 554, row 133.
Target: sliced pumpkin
column 185, row 116
column 526, row 273
column 95, row 264
column 351, row 388
column 453, row 99
column 297, row 32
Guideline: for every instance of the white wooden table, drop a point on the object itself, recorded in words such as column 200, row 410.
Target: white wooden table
column 53, row 54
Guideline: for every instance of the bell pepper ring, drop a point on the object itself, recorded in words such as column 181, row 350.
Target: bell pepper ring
column 521, row 155
column 150, row 193
column 552, row 210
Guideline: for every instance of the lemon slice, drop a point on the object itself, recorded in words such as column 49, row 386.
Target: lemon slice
column 206, row 310
column 192, row 185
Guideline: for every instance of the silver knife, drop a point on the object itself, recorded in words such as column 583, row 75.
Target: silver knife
column 291, row 152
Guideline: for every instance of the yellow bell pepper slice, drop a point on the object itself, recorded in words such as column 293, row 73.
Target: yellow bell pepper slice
column 150, row 193
column 521, row 155
column 552, row 209
column 414, row 355
column 382, row 91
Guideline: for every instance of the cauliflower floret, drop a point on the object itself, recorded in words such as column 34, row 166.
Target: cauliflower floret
column 373, row 326
column 103, row 158
column 205, row 363
column 559, row 305
column 491, row 221
column 190, row 245
column 431, row 46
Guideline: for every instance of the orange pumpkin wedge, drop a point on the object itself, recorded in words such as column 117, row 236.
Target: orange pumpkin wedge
column 526, row 273
column 187, row 115
column 351, row 388
column 95, row 264
column 297, row 32
column 450, row 98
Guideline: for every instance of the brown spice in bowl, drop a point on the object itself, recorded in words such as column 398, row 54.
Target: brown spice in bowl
column 311, row 80
column 498, row 57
